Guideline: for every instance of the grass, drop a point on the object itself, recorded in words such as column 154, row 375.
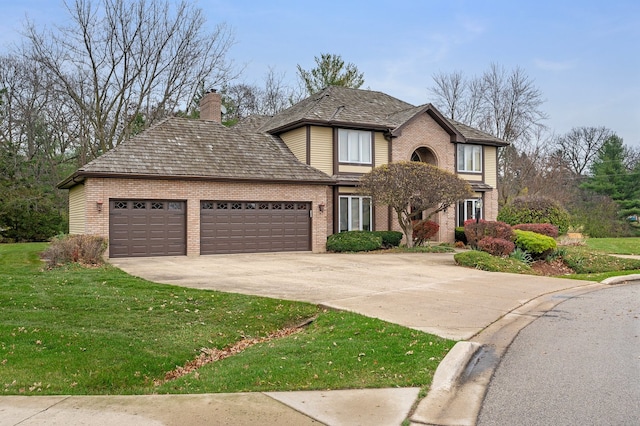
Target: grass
column 615, row 245
column 436, row 248
column 486, row 262
column 588, row 264
column 77, row 331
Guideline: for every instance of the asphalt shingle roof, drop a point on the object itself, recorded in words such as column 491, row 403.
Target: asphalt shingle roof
column 366, row 108
column 341, row 105
column 179, row 147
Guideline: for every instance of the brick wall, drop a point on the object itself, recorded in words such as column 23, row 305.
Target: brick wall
column 100, row 189
column 424, row 132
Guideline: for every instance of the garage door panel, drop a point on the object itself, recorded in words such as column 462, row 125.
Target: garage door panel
column 147, row 228
column 260, row 226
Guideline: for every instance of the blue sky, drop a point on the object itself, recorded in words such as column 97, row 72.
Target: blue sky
column 583, row 55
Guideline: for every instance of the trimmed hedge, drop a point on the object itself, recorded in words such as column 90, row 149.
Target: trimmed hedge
column 539, row 228
column 537, row 244
column 535, row 210
column 389, row 238
column 460, row 236
column 496, row 246
column 354, row 241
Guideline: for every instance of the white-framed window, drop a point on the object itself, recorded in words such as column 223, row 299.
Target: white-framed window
column 354, row 146
column 354, row 213
column 467, row 209
column 469, row 158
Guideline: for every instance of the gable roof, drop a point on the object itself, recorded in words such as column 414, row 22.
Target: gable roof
column 199, row 149
column 342, row 106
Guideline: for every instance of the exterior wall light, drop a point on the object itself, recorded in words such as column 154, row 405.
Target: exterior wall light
column 321, row 207
column 99, row 205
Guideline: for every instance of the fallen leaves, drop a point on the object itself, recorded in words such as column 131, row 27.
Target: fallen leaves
column 208, row 355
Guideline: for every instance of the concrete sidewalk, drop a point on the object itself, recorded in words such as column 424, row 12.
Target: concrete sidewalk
column 422, row 291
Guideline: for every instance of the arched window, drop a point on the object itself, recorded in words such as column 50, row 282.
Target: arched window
column 424, row 155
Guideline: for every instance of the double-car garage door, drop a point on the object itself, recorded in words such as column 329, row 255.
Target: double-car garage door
column 159, row 227
column 248, row 227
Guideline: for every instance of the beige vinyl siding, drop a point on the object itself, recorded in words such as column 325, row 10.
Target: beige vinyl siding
column 381, row 149
column 296, row 140
column 354, row 169
column 490, row 166
column 471, row 177
column 347, row 190
column 322, row 149
column 77, row 210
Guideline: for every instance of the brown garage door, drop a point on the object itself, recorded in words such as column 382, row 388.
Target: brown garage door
column 249, row 227
column 147, row 228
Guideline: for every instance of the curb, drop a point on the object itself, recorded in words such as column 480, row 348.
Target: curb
column 453, row 365
column 622, row 279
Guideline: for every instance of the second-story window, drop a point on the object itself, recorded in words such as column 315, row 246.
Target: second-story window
column 354, row 146
column 469, row 158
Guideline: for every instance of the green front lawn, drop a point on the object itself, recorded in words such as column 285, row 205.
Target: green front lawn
column 80, row 330
column 615, row 245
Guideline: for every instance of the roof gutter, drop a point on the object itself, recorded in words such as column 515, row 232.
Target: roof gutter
column 80, row 176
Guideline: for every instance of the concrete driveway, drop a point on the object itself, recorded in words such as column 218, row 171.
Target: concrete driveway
column 427, row 292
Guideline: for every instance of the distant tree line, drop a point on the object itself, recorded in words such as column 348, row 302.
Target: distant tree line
column 68, row 94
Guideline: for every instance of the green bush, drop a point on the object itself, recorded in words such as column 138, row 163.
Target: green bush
column 537, row 245
column 535, row 210
column 354, row 241
column 84, row 249
column 389, row 238
column 460, row 236
column 484, row 261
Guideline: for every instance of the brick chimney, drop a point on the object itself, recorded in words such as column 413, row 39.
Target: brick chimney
column 211, row 106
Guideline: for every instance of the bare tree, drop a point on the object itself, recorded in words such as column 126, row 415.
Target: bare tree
column 243, row 100
column 458, row 97
column 503, row 104
column 125, row 64
column 581, row 145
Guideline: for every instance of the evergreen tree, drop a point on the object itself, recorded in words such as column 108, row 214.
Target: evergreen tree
column 610, row 176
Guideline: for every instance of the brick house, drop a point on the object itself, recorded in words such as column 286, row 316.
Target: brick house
column 281, row 183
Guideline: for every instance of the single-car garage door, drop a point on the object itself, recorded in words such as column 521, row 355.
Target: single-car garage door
column 147, row 228
column 249, row 227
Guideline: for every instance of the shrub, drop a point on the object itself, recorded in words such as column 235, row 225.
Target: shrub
column 424, row 230
column 84, row 249
column 389, row 238
column 535, row 210
column 486, row 262
column 476, row 231
column 354, row 241
column 537, row 244
column 496, row 246
column 539, row 228
column 460, row 236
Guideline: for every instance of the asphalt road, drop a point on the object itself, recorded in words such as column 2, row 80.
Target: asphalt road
column 579, row 364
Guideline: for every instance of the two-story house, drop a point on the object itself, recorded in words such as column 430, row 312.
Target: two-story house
column 281, row 183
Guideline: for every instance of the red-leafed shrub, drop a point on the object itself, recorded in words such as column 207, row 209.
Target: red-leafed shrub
column 539, row 228
column 496, row 246
column 424, row 230
column 477, row 231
